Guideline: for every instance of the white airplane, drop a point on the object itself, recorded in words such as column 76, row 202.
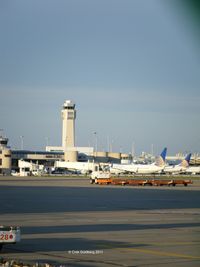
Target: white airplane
column 155, row 167
column 82, row 167
column 193, row 170
column 180, row 168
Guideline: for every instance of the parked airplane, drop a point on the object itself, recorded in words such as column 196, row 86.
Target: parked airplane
column 83, row 167
column 155, row 167
column 180, row 168
column 193, row 170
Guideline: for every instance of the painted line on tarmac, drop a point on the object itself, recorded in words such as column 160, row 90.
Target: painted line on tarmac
column 173, row 243
column 162, row 253
column 115, row 245
column 155, row 252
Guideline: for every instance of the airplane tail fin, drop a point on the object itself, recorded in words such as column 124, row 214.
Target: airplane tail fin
column 185, row 162
column 160, row 161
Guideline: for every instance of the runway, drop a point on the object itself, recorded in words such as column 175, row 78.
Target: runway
column 70, row 222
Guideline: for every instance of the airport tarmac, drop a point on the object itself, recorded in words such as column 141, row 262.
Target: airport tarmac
column 68, row 221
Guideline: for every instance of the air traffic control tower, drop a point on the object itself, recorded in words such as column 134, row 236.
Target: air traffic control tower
column 68, row 114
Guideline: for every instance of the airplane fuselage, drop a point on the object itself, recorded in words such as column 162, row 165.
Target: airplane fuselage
column 174, row 169
column 138, row 168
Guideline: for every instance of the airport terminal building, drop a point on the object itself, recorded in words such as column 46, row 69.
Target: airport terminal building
column 67, row 152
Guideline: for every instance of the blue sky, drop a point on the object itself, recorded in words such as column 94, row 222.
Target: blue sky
column 132, row 67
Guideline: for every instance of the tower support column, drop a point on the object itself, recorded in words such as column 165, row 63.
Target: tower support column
column 68, row 115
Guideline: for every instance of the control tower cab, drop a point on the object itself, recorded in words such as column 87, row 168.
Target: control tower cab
column 68, row 115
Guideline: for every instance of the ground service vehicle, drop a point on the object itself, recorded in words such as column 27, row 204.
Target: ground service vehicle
column 99, row 175
column 9, row 235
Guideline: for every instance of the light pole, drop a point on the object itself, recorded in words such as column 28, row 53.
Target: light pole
column 108, row 143
column 152, row 149
column 95, row 137
column 111, row 146
column 133, row 150
column 47, row 140
column 22, row 142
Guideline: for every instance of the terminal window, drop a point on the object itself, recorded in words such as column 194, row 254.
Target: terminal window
column 70, row 115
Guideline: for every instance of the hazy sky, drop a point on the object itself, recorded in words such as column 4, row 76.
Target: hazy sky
column 131, row 66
